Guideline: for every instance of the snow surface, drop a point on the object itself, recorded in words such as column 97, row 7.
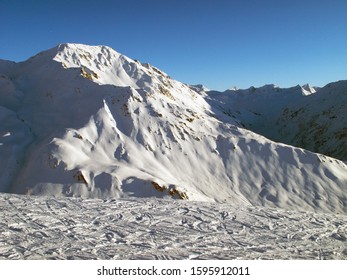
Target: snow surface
column 87, row 121
column 74, row 228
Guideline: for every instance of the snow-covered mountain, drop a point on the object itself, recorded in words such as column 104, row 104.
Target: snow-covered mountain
column 303, row 116
column 87, row 121
column 319, row 122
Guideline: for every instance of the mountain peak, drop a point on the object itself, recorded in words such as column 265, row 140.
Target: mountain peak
column 104, row 65
column 308, row 89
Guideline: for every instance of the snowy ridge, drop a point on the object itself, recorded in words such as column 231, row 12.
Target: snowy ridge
column 98, row 124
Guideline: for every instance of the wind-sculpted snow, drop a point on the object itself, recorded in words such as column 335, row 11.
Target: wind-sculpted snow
column 90, row 122
column 73, row 228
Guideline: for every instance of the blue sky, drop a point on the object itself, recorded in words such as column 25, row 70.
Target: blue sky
column 219, row 43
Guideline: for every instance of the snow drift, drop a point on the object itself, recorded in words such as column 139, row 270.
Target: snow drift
column 87, row 121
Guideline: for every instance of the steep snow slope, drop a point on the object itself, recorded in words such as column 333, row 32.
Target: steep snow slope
column 99, row 124
column 306, row 117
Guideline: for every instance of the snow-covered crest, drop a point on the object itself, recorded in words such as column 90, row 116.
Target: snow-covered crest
column 99, row 124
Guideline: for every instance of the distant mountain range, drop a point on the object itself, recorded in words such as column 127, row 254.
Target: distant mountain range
column 87, row 121
column 303, row 116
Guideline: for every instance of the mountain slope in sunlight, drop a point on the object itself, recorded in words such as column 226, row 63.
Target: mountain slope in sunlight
column 88, row 121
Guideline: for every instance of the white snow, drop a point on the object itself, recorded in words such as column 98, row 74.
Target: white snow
column 73, row 228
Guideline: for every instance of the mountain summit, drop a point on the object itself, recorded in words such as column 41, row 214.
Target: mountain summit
column 87, row 121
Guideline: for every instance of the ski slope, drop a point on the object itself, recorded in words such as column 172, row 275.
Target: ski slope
column 74, row 228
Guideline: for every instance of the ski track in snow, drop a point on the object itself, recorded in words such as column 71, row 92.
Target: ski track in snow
column 74, row 228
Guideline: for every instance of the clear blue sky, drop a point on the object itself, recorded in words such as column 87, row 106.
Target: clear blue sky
column 219, row 43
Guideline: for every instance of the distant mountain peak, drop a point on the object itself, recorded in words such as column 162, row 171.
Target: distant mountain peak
column 308, row 89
